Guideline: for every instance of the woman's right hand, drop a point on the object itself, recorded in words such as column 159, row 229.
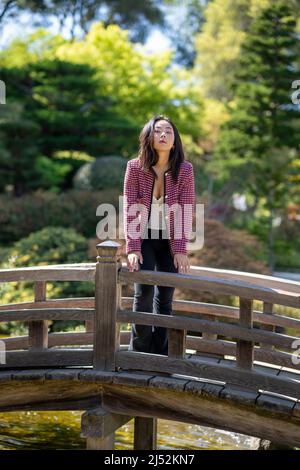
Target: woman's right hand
column 133, row 260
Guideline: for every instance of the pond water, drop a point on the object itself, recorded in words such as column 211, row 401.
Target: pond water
column 53, row 430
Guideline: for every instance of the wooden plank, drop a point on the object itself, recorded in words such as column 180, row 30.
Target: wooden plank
column 273, row 370
column 136, row 379
column 292, row 375
column 220, row 347
column 62, row 374
column 239, row 395
column 210, row 337
column 47, row 314
column 89, row 326
column 107, row 301
column 79, row 302
column 192, row 324
column 244, row 349
column 28, row 375
column 195, row 387
column 208, row 370
column 170, row 383
column 205, row 411
column 54, row 339
column 30, row 393
column 145, row 433
column 176, row 343
column 189, row 307
column 125, row 337
column 228, row 348
column 183, row 307
column 68, row 405
column 210, row 284
column 49, row 273
column 267, row 310
column 252, row 278
column 96, row 376
column 278, row 404
column 46, row 358
column 296, row 410
column 38, row 330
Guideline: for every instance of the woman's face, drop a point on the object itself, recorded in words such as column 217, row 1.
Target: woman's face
column 163, row 135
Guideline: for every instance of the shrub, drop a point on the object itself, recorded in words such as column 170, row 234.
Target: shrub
column 102, row 173
column 51, row 245
column 19, row 217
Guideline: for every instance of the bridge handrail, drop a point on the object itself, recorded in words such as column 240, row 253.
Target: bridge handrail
column 69, row 271
column 104, row 313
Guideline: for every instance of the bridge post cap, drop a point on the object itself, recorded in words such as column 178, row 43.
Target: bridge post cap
column 107, row 251
column 108, row 244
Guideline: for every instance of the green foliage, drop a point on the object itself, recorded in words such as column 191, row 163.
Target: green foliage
column 259, row 143
column 51, row 173
column 19, row 138
column 51, row 245
column 60, row 108
column 103, row 173
column 218, row 45
column 75, row 209
column 89, row 96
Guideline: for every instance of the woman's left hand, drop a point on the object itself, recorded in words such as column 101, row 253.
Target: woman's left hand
column 181, row 262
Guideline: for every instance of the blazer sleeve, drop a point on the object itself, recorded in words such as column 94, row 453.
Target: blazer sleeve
column 187, row 201
column 131, row 197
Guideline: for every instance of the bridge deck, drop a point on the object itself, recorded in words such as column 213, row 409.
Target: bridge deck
column 152, row 394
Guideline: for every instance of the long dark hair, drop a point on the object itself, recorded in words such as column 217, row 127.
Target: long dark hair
column 147, row 154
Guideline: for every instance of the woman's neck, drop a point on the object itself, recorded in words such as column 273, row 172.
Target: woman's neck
column 163, row 161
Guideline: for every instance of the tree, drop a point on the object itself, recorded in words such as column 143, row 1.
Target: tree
column 218, row 44
column 92, row 96
column 183, row 26
column 56, row 107
column 259, row 143
column 137, row 16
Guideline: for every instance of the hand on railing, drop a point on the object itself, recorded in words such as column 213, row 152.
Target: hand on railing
column 133, row 260
column 181, row 262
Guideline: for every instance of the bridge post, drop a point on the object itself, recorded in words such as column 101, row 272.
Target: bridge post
column 245, row 349
column 107, row 302
column 98, row 427
column 145, row 433
column 38, row 330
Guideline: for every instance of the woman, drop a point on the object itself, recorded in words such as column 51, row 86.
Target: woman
column 158, row 182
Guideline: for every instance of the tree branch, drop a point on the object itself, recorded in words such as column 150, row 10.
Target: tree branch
column 7, row 6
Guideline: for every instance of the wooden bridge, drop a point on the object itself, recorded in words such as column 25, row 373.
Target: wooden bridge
column 227, row 367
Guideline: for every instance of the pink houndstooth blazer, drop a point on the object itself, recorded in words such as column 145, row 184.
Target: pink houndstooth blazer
column 179, row 205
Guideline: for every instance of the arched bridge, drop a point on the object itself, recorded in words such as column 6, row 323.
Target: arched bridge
column 233, row 368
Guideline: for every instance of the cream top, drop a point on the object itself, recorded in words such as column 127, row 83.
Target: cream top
column 157, row 219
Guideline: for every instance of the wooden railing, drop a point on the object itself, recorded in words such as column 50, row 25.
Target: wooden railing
column 250, row 335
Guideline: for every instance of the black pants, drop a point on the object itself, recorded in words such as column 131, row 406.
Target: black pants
column 154, row 299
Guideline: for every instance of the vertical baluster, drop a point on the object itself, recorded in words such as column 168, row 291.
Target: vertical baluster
column 267, row 310
column 245, row 349
column 210, row 337
column 38, row 330
column 176, row 343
